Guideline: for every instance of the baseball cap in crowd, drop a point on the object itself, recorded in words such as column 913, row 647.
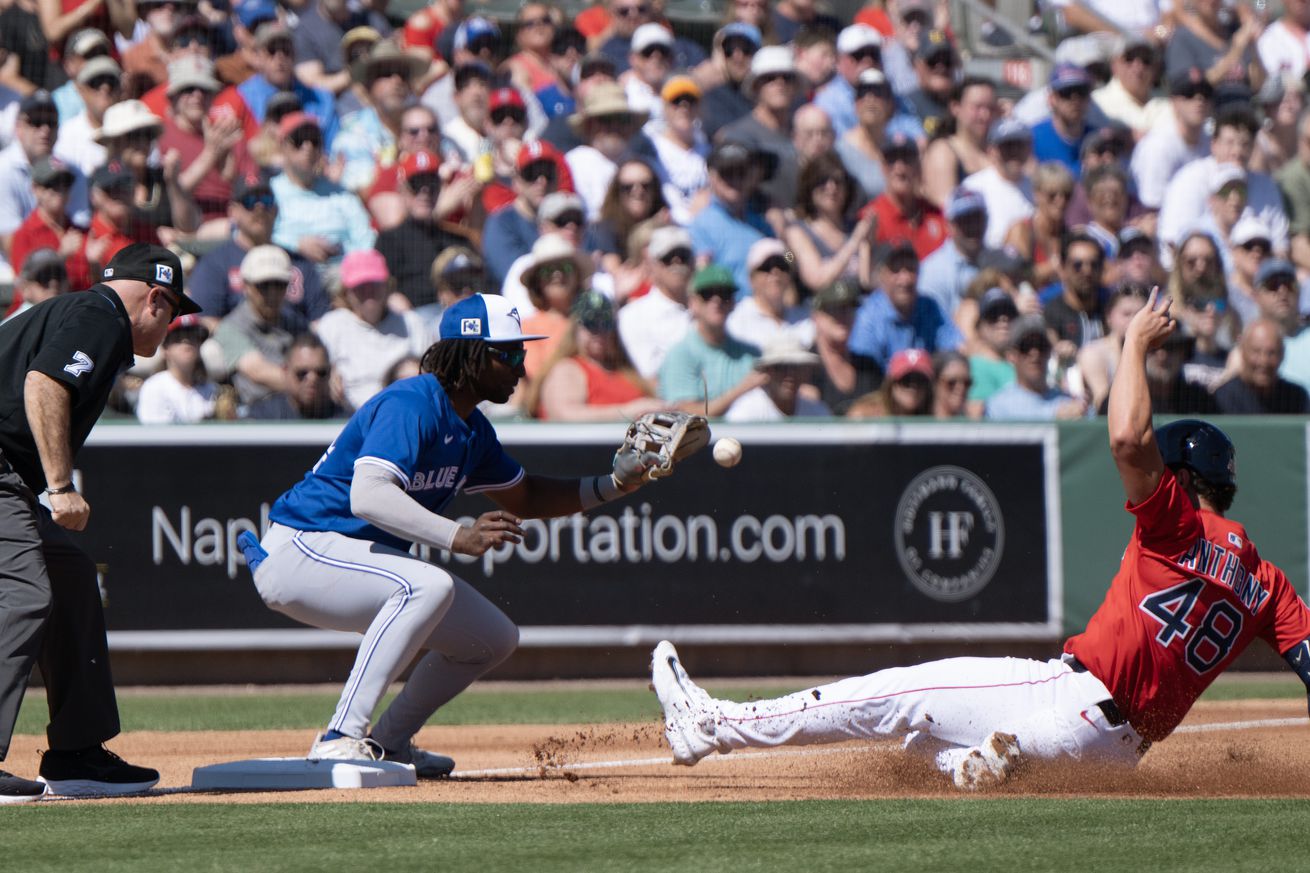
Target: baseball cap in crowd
column 502, row 97
column 38, row 103
column 251, row 184
column 714, row 279
column 772, row 60
column 1089, row 50
column 266, row 264
column 363, row 267
column 127, row 116
column 1189, row 82
column 270, row 32
column 679, row 86
column 488, row 317
column 1249, row 229
column 996, row 304
column 537, row 150
column 872, row 80
column 730, row 153
column 420, row 163
column 764, row 249
column 1029, row 327
column 479, row 30
column 1225, row 175
column 932, row 44
column 594, row 311
column 595, row 64
column 1114, row 137
column 1009, row 130
column 49, row 171
column 146, row 262
column 740, row 30
column 186, row 328
column 649, row 35
column 1233, row 94
column 457, row 265
column 294, row 122
column 898, row 250
column 910, row 361
column 558, row 205
column 468, row 71
column 901, row 146
column 44, row 266
column 86, row 41
column 282, row 104
column 1133, row 238
column 252, row 13
column 785, row 350
column 192, row 71
column 100, row 65
column 668, row 239
column 856, row 37
column 1275, row 268
column 964, row 202
column 842, row 294
column 1068, row 76
column 113, row 177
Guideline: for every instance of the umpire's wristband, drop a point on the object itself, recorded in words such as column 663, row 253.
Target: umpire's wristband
column 595, row 490
column 62, row 489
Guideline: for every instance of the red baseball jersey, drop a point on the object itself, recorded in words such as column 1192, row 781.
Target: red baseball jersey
column 1191, row 593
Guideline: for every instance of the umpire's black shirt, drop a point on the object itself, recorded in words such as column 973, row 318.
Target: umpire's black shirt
column 83, row 340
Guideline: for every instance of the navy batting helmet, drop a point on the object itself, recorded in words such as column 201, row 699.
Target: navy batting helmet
column 1201, row 447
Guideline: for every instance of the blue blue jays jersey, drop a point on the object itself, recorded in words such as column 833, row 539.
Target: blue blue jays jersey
column 411, row 430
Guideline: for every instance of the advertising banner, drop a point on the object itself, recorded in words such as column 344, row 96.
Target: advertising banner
column 823, row 533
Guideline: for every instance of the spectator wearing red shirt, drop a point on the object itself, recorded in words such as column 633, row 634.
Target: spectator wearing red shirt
column 213, row 150
column 903, row 213
column 175, row 30
column 48, row 226
column 228, row 103
column 424, row 28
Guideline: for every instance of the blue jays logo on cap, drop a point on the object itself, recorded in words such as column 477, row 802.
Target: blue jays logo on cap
column 164, row 274
column 488, row 317
column 470, row 327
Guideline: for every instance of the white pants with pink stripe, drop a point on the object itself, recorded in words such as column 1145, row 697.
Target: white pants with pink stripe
column 944, row 708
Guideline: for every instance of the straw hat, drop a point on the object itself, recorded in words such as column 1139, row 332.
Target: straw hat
column 553, row 249
column 606, row 98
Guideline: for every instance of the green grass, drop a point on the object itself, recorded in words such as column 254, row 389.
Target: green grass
column 256, row 708
column 978, row 835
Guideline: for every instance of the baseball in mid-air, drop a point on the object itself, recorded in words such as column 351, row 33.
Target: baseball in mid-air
column 727, row 452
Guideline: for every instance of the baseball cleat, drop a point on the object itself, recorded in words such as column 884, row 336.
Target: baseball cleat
column 16, row 789
column 427, row 765
column 344, row 749
column 989, row 764
column 93, row 772
column 689, row 712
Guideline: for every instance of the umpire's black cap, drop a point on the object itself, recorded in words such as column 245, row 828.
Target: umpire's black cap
column 154, row 264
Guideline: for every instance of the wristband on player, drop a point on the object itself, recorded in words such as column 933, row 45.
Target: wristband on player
column 443, row 531
column 595, row 490
column 62, row 489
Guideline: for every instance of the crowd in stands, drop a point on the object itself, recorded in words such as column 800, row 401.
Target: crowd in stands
column 803, row 217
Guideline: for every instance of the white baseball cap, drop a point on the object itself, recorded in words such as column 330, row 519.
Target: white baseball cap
column 266, row 264
column 856, row 37
column 667, row 239
column 488, row 317
column 651, row 34
column 771, row 60
column 1248, row 228
column 1226, row 174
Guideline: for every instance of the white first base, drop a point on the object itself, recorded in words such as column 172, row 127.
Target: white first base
column 273, row 774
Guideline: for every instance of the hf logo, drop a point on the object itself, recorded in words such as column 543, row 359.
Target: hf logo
column 163, row 274
column 950, row 533
column 470, row 327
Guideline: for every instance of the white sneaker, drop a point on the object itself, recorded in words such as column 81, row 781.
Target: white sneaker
column 344, row 749
column 427, row 765
column 988, row 764
column 689, row 712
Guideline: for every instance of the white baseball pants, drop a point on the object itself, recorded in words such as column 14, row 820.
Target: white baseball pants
column 401, row 605
column 944, row 708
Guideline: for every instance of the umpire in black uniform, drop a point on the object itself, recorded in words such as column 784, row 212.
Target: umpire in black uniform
column 58, row 362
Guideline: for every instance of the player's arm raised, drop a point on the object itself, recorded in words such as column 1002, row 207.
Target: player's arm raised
column 1132, row 439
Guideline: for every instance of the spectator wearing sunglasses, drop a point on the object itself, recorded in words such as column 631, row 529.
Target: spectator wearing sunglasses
column 47, row 228
column 1075, row 314
column 41, row 276
column 35, row 134
column 653, row 323
column 1127, row 98
column 708, row 371
column 365, row 336
column 773, row 307
column 81, row 47
column 254, row 337
column 215, row 281
column 876, row 121
column 506, row 126
column 412, row 245
column 936, row 64
column 1175, row 142
column 371, row 135
column 112, row 192
column 510, row 231
column 161, row 206
column 560, row 214
column 274, row 58
column 788, row 392
column 99, row 86
column 307, row 392
column 859, row 48
column 420, row 132
column 734, row 47
column 175, row 31
column 355, row 48
column 732, row 222
column 1251, row 246
column 634, row 197
column 773, row 84
column 681, row 148
column 650, row 63
column 1060, row 137
column 896, row 316
column 320, row 27
column 902, row 210
column 1030, row 397
column 554, row 276
column 316, row 217
column 537, row 67
column 626, row 16
column 607, row 125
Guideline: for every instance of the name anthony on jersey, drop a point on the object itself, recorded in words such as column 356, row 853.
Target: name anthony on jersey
column 1217, row 564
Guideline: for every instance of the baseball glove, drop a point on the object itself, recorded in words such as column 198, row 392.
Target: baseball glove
column 655, row 442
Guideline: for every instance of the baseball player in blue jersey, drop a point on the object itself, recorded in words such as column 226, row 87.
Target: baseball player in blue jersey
column 336, row 554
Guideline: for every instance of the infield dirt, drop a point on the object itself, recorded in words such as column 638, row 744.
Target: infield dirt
column 629, row 763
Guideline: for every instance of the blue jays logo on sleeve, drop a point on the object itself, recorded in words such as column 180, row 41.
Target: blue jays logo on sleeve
column 470, row 327
column 163, row 274
column 80, row 364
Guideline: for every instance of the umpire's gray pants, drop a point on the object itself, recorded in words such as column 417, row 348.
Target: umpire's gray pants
column 401, row 605
column 50, row 613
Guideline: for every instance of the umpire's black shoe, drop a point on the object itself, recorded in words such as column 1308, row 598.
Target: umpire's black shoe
column 16, row 789
column 93, row 772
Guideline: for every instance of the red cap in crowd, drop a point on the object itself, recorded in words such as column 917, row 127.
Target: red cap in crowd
column 293, row 122
column 538, row 150
column 419, row 163
column 908, row 361
column 505, row 97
